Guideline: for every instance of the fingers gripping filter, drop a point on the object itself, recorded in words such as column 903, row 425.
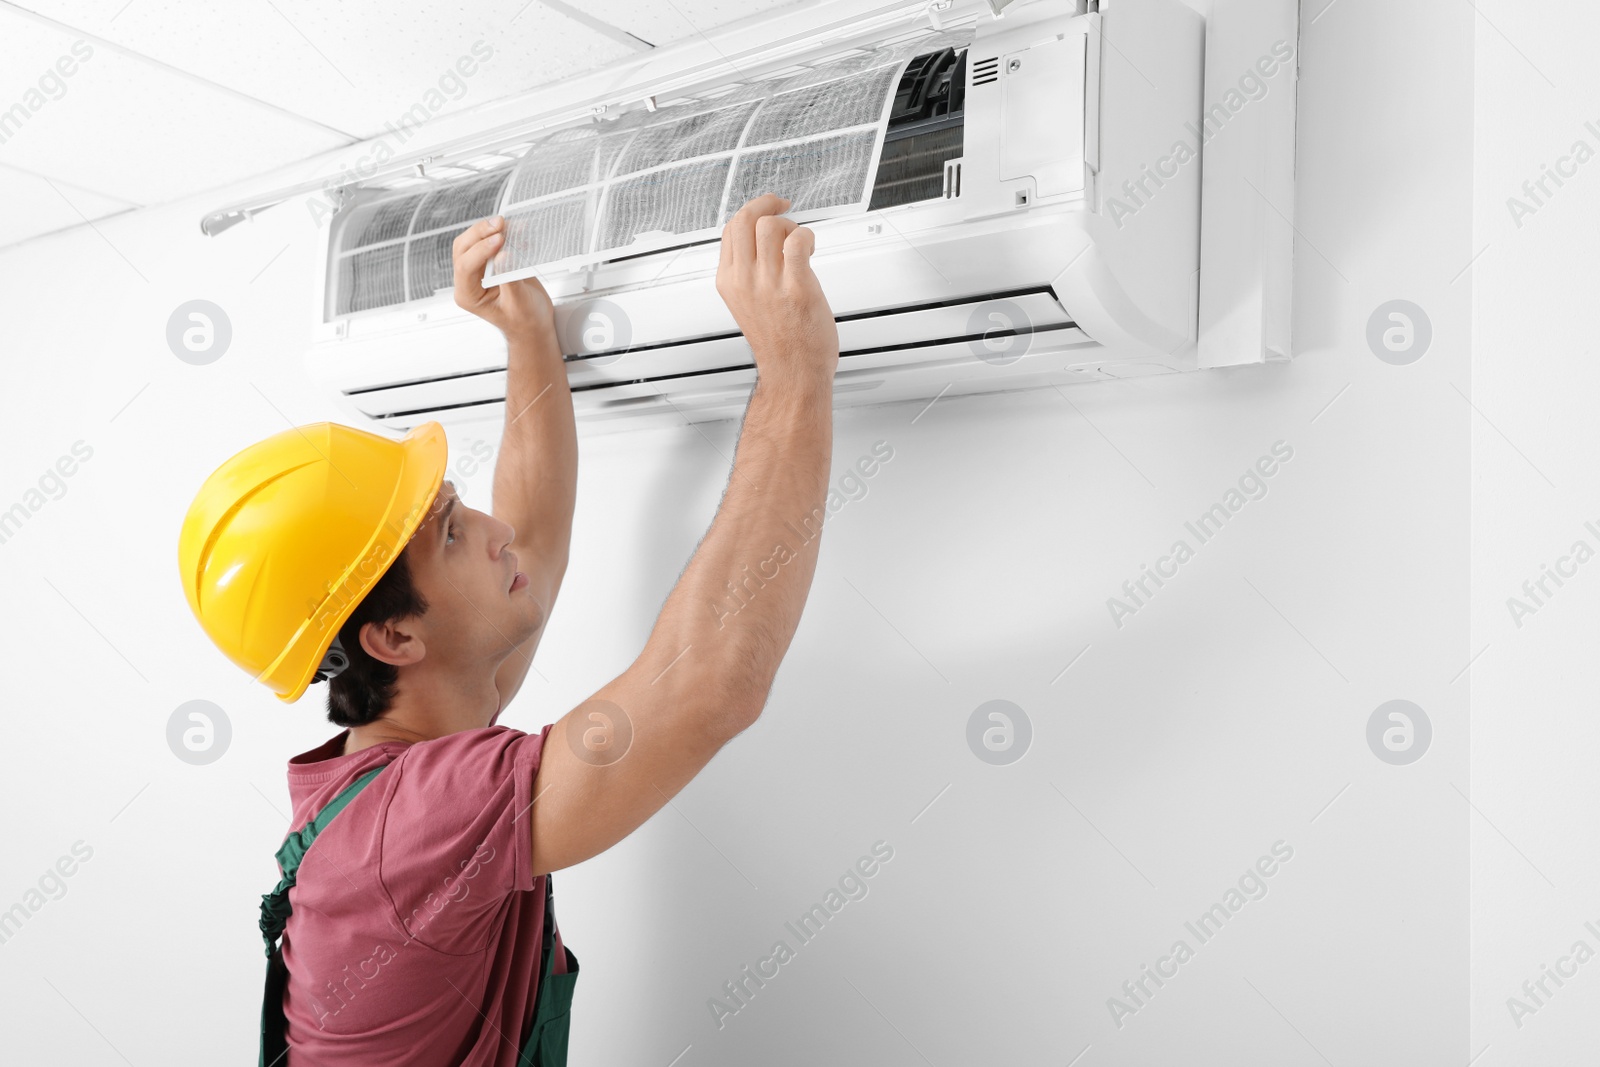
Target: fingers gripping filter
column 283, row 541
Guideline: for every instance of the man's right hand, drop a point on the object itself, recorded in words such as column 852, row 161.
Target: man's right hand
column 765, row 278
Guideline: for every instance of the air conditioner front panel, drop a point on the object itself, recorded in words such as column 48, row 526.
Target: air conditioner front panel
column 916, row 263
column 912, row 255
column 868, row 331
column 881, row 342
column 951, row 368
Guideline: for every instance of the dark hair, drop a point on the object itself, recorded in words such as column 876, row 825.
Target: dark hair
column 363, row 691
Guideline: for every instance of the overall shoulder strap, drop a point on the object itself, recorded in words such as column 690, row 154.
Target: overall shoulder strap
column 546, row 1045
column 275, row 908
column 275, row 912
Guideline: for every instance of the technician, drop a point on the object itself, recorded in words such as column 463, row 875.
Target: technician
column 413, row 921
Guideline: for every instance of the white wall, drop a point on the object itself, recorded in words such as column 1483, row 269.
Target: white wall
column 1222, row 718
column 1535, row 733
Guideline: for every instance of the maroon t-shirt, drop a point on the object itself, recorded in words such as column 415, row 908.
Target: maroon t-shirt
column 416, row 928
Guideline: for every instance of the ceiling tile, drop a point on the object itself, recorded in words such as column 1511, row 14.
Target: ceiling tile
column 51, row 206
column 352, row 66
column 127, row 129
column 662, row 24
column 123, row 102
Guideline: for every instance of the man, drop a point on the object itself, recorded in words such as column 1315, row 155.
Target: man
column 412, row 929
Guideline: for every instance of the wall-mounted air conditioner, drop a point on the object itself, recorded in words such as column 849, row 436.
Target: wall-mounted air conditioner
column 960, row 181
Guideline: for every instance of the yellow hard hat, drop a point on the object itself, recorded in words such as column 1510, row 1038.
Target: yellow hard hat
column 284, row 540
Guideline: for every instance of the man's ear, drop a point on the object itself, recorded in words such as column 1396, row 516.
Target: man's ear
column 393, row 642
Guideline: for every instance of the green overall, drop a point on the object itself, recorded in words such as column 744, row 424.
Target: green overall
column 547, row 1043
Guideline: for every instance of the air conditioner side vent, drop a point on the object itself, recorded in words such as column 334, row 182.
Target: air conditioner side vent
column 985, row 71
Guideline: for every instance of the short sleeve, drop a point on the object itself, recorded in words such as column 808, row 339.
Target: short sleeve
column 456, row 835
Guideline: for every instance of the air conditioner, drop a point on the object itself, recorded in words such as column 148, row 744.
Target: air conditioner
column 995, row 201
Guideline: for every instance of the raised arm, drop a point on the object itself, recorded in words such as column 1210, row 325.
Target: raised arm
column 536, row 472
column 709, row 662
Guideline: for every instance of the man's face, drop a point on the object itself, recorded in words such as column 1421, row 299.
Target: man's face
column 462, row 563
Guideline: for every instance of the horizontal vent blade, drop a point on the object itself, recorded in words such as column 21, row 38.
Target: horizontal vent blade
column 869, row 341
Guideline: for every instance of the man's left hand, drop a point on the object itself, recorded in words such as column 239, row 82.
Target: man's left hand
column 519, row 308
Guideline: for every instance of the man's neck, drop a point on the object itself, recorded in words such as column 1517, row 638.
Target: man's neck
column 405, row 722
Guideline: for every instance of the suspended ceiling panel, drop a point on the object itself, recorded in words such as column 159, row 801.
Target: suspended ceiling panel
column 129, row 130
column 51, row 206
column 178, row 96
column 356, row 65
column 663, row 23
